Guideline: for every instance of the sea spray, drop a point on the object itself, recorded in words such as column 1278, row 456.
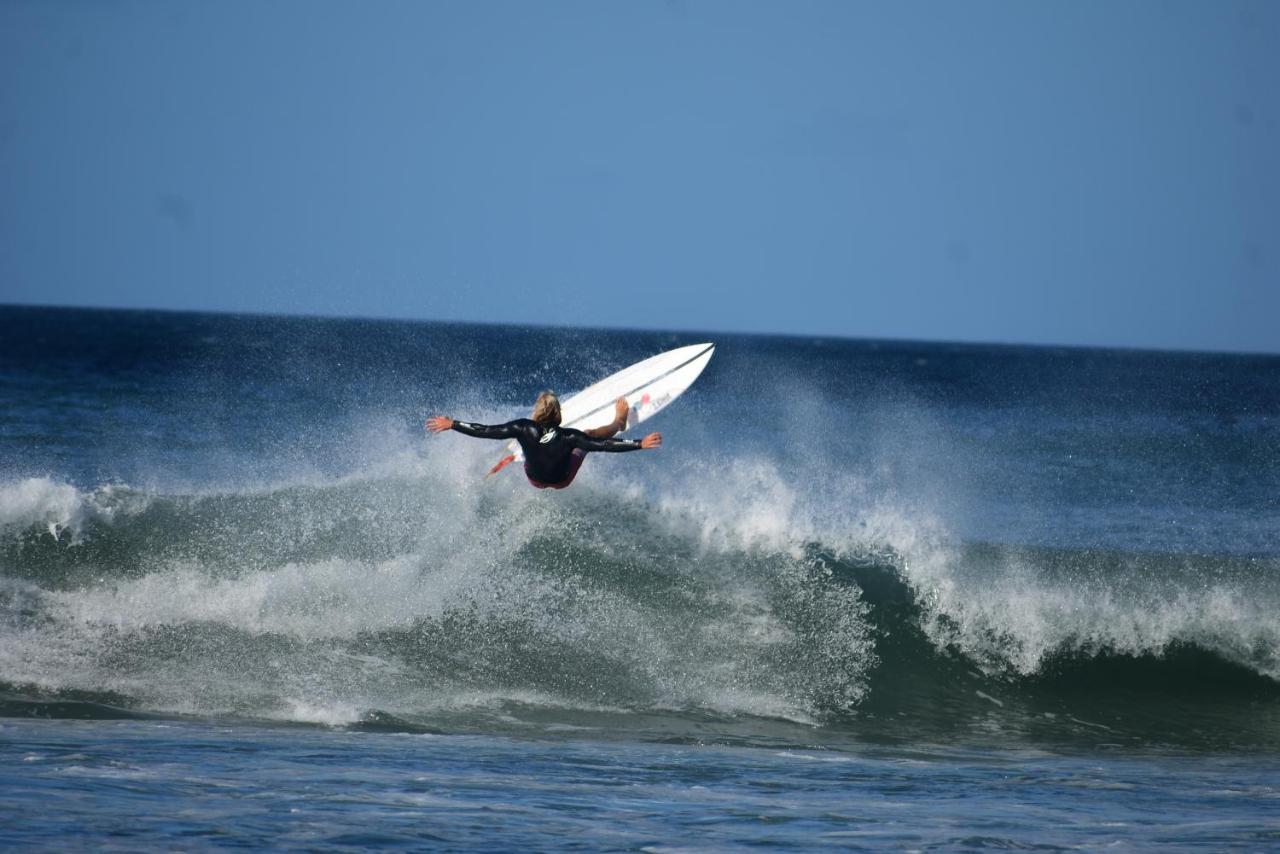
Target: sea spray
column 840, row 539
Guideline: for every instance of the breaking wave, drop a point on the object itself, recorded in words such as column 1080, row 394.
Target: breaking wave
column 412, row 594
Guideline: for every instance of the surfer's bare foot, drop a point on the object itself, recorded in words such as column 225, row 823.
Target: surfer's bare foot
column 439, row 423
column 653, row 440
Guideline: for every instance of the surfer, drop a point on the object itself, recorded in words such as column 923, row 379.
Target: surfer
column 552, row 454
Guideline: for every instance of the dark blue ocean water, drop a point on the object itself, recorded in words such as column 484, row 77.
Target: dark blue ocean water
column 869, row 594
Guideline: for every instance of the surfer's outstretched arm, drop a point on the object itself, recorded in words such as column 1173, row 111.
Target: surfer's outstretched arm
column 586, row 443
column 440, row 423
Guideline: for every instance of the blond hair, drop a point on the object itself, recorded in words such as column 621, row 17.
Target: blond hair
column 546, row 411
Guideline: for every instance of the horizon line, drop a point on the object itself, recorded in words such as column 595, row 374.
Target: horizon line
column 961, row 342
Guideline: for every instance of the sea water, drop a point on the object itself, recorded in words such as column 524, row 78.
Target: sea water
column 869, row 594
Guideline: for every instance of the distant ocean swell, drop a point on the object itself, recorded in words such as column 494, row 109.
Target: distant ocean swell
column 413, row 593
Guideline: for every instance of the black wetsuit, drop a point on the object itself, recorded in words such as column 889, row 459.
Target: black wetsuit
column 549, row 458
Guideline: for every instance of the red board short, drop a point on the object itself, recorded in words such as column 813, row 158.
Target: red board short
column 576, row 456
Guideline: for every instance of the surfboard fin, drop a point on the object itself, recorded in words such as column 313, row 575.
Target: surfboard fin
column 502, row 463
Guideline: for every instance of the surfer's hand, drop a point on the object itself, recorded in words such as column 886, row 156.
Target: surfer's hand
column 653, row 440
column 439, row 423
column 620, row 410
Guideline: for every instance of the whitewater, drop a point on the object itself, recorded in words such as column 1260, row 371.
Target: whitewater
column 852, row 561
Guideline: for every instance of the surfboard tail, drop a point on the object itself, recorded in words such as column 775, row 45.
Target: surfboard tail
column 502, row 463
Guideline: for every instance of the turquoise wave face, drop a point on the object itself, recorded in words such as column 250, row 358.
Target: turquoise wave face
column 841, row 540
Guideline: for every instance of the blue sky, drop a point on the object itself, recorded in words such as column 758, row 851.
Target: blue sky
column 1075, row 172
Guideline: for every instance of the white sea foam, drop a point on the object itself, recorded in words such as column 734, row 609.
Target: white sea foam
column 432, row 540
column 40, row 502
column 1016, row 618
column 1011, row 617
column 60, row 509
column 309, row 711
column 708, row 647
column 327, row 599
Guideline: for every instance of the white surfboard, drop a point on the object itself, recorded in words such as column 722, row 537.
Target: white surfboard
column 648, row 387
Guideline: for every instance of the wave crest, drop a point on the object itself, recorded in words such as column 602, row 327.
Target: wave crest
column 737, row 588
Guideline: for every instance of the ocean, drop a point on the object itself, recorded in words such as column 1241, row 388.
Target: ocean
column 869, row 594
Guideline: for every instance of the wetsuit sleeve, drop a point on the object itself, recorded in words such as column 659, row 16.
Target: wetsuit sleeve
column 586, row 443
column 487, row 431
